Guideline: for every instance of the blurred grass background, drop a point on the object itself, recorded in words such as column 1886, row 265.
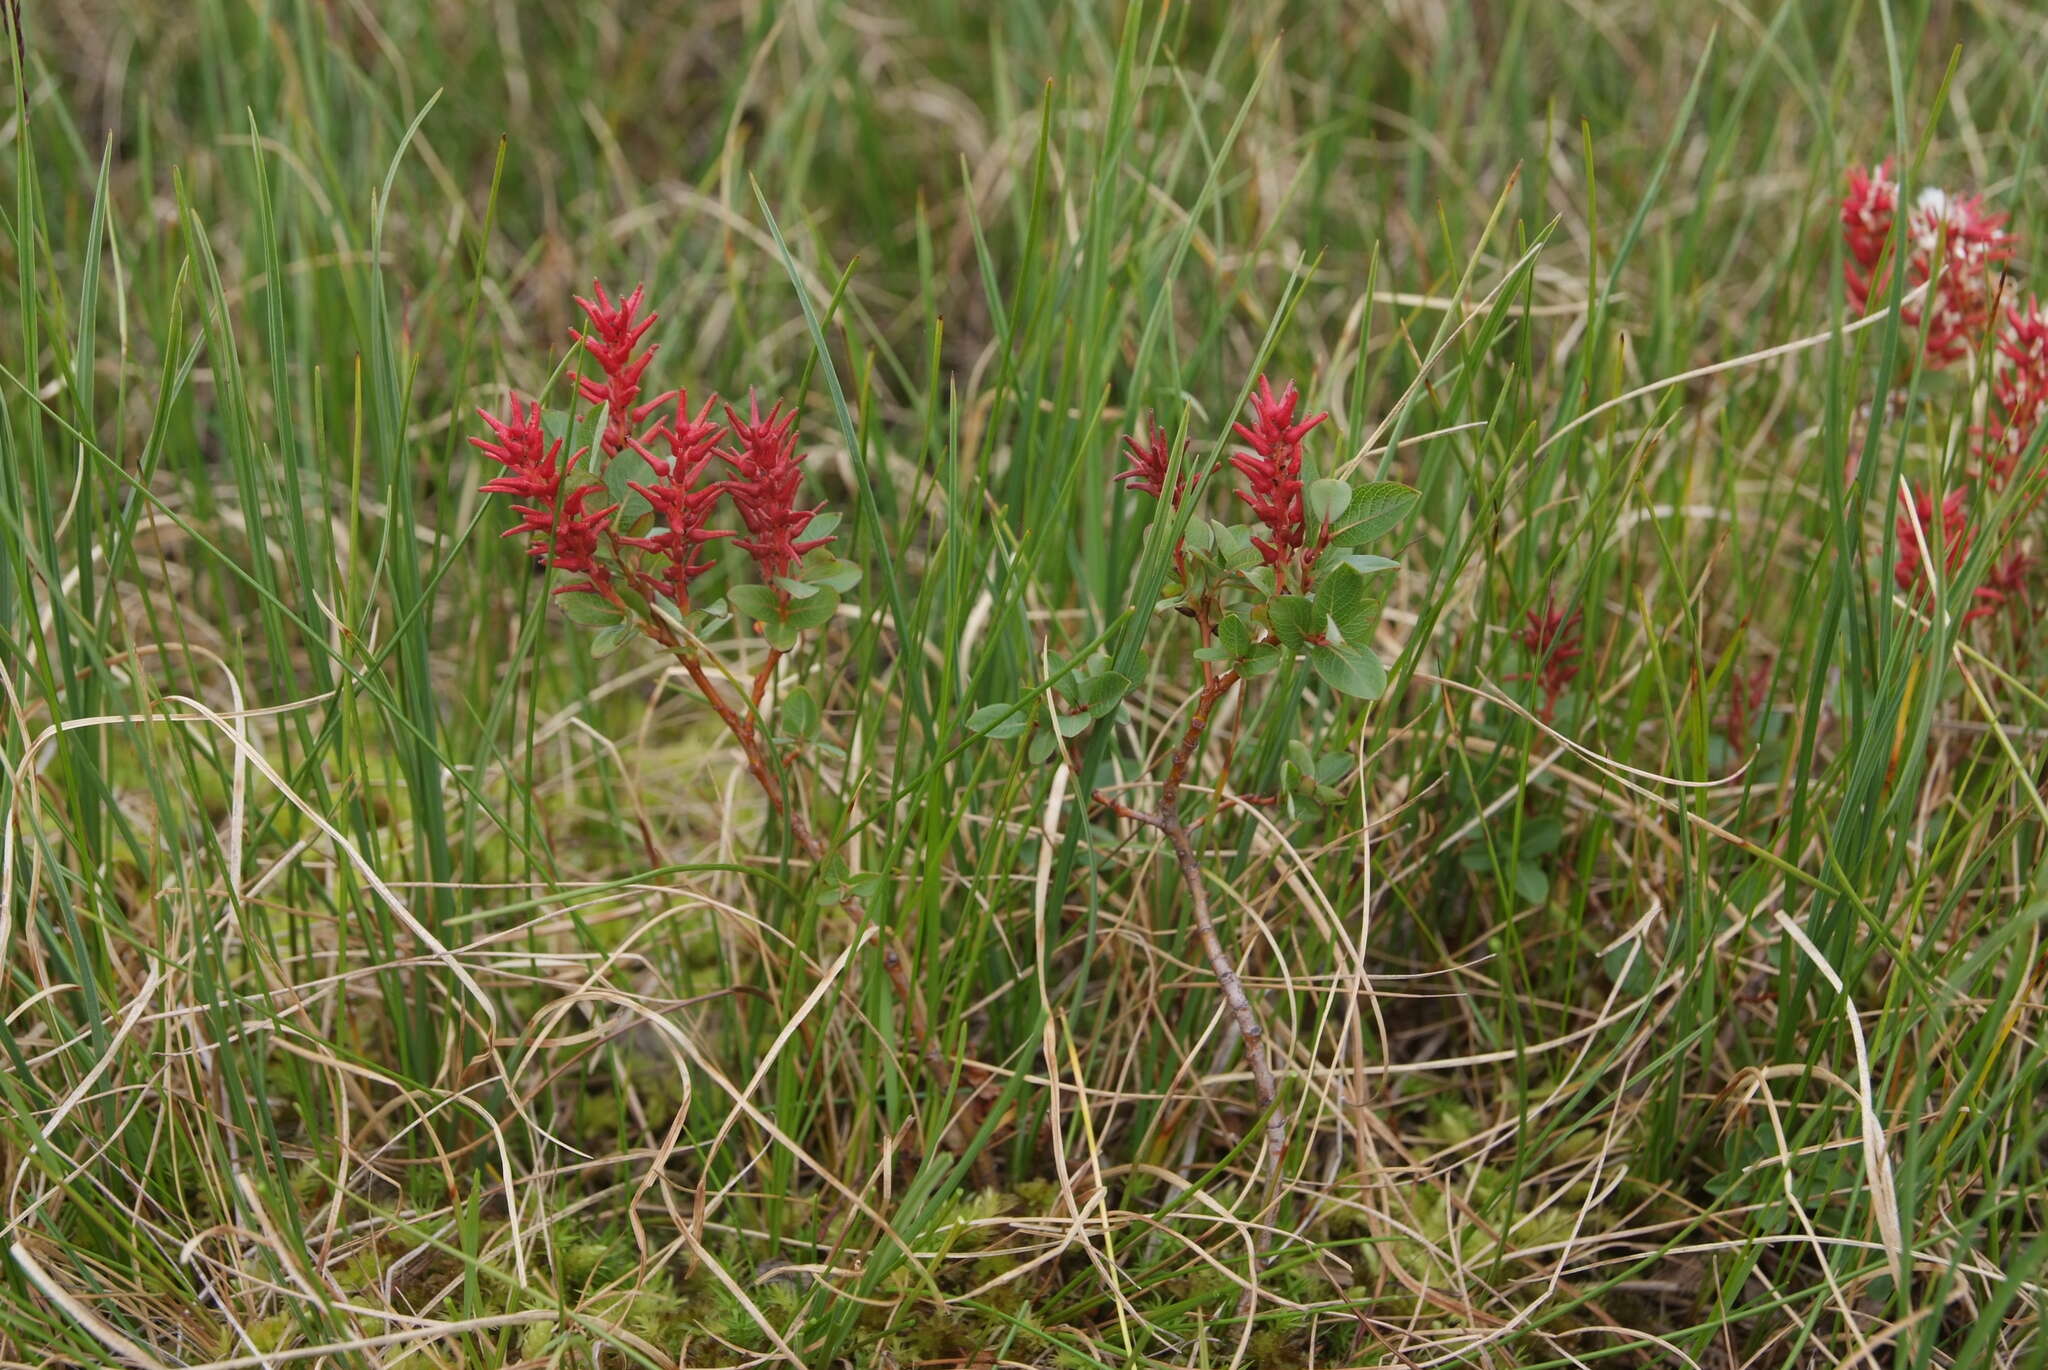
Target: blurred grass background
column 1690, row 1032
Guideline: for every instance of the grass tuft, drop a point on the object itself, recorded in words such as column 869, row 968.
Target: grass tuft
column 1650, row 974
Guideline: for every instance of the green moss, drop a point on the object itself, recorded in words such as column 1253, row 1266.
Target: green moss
column 274, row 1333
column 1277, row 1348
column 599, row 1116
column 364, row 1270
column 935, row 1334
column 1452, row 1121
column 962, row 1224
column 652, row 1311
column 1007, row 1296
column 534, row 1340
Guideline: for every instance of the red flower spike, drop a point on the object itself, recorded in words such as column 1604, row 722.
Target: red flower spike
column 574, row 546
column 521, row 447
column 1273, row 470
column 562, row 529
column 1553, row 638
column 2005, row 583
column 691, row 442
column 1150, row 461
column 1956, row 233
column 683, row 508
column 1950, row 528
column 1867, row 214
column 2021, row 391
column 1949, row 240
column 767, row 474
column 615, row 330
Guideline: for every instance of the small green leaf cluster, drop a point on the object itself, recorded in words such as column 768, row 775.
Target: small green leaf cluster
column 1309, row 778
column 795, row 604
column 1528, row 874
column 1224, row 577
column 837, row 882
column 1083, row 692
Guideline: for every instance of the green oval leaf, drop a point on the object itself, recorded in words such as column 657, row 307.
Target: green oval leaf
column 1327, row 500
column 1352, row 611
column 1100, row 694
column 1235, row 636
column 833, row 573
column 798, row 713
column 814, row 612
column 1293, row 617
column 998, row 721
column 588, row 610
column 754, row 602
column 1376, row 509
column 1263, row 659
column 1350, row 669
column 609, row 640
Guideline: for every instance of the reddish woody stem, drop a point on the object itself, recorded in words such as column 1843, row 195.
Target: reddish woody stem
column 814, row 846
column 1123, row 810
column 762, row 677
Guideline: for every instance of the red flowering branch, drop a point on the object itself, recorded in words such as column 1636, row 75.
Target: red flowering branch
column 683, row 507
column 766, row 474
column 1951, row 245
column 1868, row 211
column 1247, row 589
column 630, row 557
column 1151, row 460
column 2019, row 394
column 1923, row 528
column 2004, row 584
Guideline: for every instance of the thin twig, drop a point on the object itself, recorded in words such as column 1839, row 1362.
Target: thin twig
column 1168, row 820
column 1248, row 1025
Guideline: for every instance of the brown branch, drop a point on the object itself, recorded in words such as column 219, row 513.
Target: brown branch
column 1248, row 1024
column 1191, row 738
column 762, row 677
column 1168, row 820
column 1122, row 810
